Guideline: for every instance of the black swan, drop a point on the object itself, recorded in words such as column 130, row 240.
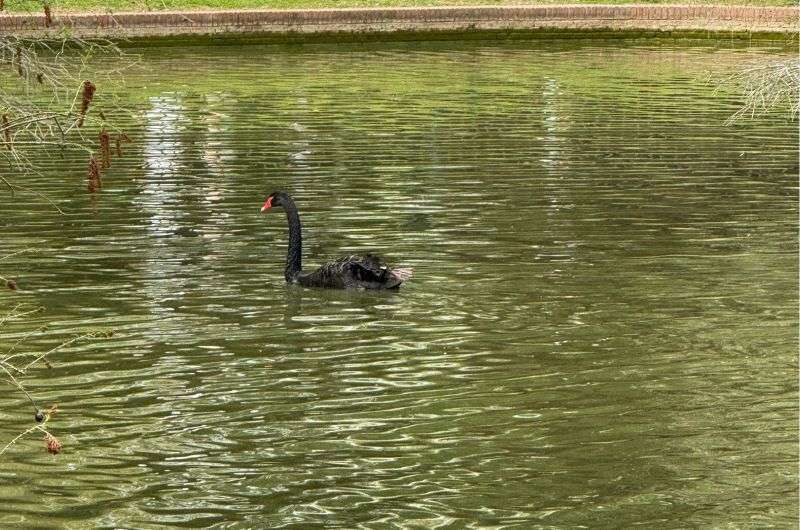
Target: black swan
column 352, row 272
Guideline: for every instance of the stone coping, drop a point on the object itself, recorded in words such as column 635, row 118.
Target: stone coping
column 388, row 21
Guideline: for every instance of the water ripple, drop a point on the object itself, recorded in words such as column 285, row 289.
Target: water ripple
column 601, row 330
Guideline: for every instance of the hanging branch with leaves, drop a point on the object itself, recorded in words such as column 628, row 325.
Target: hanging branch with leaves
column 47, row 102
column 15, row 364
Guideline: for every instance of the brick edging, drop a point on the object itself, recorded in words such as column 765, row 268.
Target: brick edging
column 375, row 20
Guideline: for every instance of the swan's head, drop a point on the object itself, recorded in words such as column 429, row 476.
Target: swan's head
column 274, row 199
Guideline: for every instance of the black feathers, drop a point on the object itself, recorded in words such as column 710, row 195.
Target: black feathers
column 352, row 272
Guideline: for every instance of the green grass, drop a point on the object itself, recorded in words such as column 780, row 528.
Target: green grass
column 102, row 6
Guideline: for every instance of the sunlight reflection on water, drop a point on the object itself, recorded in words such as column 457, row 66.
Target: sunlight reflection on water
column 601, row 330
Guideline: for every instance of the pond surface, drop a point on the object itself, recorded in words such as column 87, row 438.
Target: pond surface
column 601, row 332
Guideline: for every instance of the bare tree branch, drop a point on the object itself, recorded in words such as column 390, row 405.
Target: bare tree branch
column 47, row 99
column 767, row 84
column 15, row 365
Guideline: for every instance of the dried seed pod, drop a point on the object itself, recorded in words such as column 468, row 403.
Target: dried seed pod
column 93, row 175
column 105, row 149
column 52, row 444
column 86, row 100
column 121, row 138
column 48, row 16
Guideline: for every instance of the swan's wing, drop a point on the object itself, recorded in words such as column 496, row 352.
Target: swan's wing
column 367, row 272
column 367, row 269
column 372, row 270
column 342, row 272
column 332, row 274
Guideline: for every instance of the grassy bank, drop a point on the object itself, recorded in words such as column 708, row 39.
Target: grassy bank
column 160, row 5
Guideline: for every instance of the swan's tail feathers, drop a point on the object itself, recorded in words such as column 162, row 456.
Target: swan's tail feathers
column 403, row 273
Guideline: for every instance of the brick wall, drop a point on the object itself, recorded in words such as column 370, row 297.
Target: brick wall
column 646, row 17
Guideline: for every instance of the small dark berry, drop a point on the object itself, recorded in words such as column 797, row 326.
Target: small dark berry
column 39, row 416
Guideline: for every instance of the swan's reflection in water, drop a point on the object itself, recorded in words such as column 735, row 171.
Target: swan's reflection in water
column 354, row 307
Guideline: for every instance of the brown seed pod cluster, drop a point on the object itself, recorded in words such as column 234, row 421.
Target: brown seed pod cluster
column 52, row 443
column 120, row 139
column 95, row 168
column 48, row 16
column 105, row 149
column 86, row 100
column 94, row 183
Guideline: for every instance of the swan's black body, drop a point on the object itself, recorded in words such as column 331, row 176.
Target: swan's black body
column 352, row 272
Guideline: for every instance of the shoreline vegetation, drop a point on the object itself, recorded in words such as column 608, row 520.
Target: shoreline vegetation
column 119, row 6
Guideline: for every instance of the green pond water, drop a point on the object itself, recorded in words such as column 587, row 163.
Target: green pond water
column 601, row 332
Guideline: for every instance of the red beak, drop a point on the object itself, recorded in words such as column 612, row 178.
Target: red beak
column 267, row 205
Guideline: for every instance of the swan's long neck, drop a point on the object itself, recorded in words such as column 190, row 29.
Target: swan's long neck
column 294, row 256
